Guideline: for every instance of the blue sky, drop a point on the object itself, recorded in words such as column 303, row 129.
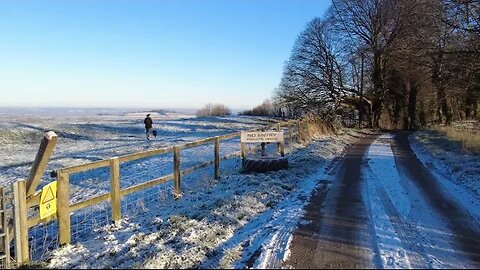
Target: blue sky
column 150, row 54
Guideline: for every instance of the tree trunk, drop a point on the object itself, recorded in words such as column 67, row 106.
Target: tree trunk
column 412, row 105
column 406, row 105
column 376, row 113
column 443, row 104
column 360, row 117
column 443, row 110
column 422, row 115
column 377, row 106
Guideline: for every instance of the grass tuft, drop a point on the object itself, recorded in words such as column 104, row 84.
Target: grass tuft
column 469, row 139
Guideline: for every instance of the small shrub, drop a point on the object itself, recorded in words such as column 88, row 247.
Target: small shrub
column 213, row 110
column 468, row 138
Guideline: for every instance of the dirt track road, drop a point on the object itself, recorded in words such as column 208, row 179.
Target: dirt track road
column 341, row 228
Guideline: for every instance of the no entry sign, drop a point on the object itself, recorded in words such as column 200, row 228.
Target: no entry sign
column 256, row 137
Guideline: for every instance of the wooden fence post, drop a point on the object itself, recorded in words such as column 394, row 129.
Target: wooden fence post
column 217, row 157
column 115, row 196
column 21, row 229
column 63, row 208
column 279, row 128
column 242, row 146
column 176, row 172
column 38, row 167
column 282, row 148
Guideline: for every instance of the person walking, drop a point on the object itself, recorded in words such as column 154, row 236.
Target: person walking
column 148, row 126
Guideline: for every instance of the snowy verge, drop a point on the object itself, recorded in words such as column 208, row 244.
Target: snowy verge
column 457, row 171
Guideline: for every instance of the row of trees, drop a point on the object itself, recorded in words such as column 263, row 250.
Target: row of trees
column 267, row 108
column 397, row 63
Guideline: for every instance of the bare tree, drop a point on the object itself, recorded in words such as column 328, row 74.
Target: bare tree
column 313, row 76
column 265, row 109
column 463, row 15
column 372, row 24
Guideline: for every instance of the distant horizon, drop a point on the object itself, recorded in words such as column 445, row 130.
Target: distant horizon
column 174, row 109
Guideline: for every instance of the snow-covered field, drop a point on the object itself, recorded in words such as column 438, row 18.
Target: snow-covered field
column 224, row 223
column 91, row 135
column 216, row 223
column 87, row 136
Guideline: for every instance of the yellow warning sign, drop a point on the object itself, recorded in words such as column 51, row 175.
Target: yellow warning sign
column 48, row 196
column 48, row 200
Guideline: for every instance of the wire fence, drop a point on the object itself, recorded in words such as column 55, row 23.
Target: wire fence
column 137, row 204
column 43, row 238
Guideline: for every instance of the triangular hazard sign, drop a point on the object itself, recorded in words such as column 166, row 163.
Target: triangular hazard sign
column 49, row 196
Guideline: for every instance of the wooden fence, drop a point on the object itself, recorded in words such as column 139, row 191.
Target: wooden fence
column 297, row 130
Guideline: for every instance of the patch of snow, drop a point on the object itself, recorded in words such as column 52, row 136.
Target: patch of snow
column 448, row 157
column 458, row 172
column 410, row 234
column 49, row 135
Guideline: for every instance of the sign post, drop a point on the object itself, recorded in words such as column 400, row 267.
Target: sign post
column 264, row 163
column 263, row 137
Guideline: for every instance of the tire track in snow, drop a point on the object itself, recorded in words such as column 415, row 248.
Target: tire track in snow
column 339, row 232
column 465, row 232
column 407, row 232
column 407, row 222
